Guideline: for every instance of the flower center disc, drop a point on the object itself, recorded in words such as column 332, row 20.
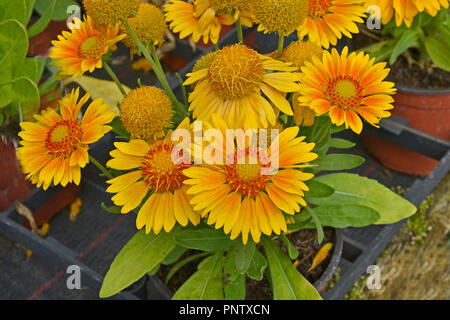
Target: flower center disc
column 159, row 171
column 246, row 178
column 345, row 92
column 318, row 8
column 92, row 47
column 235, row 72
column 63, row 137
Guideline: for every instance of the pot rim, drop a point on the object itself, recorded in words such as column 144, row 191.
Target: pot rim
column 423, row 91
column 334, row 262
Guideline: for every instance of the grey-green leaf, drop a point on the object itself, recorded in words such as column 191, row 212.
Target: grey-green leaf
column 337, row 162
column 339, row 143
column 257, row 266
column 206, row 283
column 287, row 282
column 352, row 189
column 243, row 256
column 235, row 290
column 204, row 239
column 140, row 255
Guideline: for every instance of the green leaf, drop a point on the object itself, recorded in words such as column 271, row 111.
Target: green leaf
column 343, row 216
column 183, row 262
column 235, row 290
column 243, row 256
column 341, row 143
column 287, row 282
column 16, row 9
column 351, row 189
column 13, row 42
column 318, row 190
column 118, row 127
column 113, row 209
column 60, row 12
column 292, row 251
column 337, row 162
column 26, row 96
column 206, row 283
column 43, row 21
column 317, row 223
column 203, row 239
column 439, row 53
column 406, row 41
column 140, row 255
column 257, row 266
column 174, row 255
column 28, row 68
column 29, row 10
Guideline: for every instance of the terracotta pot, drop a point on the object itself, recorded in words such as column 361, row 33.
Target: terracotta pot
column 40, row 44
column 13, row 186
column 427, row 111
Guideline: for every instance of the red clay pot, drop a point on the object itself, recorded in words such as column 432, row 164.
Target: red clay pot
column 428, row 111
column 41, row 44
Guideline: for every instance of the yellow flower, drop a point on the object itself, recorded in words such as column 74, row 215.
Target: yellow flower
column 148, row 25
column 241, row 8
column 110, row 12
column 346, row 87
column 146, row 113
column 298, row 53
column 233, row 84
column 406, row 10
column 152, row 171
column 328, row 20
column 56, row 146
column 250, row 197
column 198, row 19
column 282, row 16
column 82, row 49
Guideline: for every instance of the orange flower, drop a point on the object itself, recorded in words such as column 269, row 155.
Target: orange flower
column 82, row 49
column 347, row 86
column 328, row 20
column 56, row 146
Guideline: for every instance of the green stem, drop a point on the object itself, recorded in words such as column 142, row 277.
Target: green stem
column 114, row 77
column 239, row 31
column 216, row 46
column 101, row 167
column 156, row 68
column 280, row 45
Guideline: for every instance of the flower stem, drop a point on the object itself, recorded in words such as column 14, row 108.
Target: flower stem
column 101, row 167
column 239, row 31
column 216, row 46
column 156, row 66
column 280, row 45
column 114, row 77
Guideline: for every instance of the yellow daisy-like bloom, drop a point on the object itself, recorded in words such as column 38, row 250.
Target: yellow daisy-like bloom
column 198, row 19
column 242, row 8
column 347, row 86
column 152, row 170
column 233, row 84
column 56, row 146
column 251, row 197
column 406, row 10
column 110, row 12
column 82, row 49
column 281, row 16
column 149, row 26
column 298, row 53
column 328, row 20
column 146, row 113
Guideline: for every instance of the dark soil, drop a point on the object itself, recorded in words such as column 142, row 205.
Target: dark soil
column 305, row 241
column 406, row 74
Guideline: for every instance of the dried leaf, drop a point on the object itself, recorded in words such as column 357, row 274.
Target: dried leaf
column 44, row 229
column 25, row 212
column 321, row 255
column 75, row 209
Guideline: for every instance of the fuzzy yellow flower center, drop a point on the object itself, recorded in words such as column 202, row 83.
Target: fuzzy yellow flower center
column 159, row 171
column 146, row 112
column 247, row 178
column 235, row 72
column 229, row 5
column 110, row 12
column 63, row 137
column 318, row 8
column 92, row 47
column 300, row 52
column 283, row 16
column 345, row 92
